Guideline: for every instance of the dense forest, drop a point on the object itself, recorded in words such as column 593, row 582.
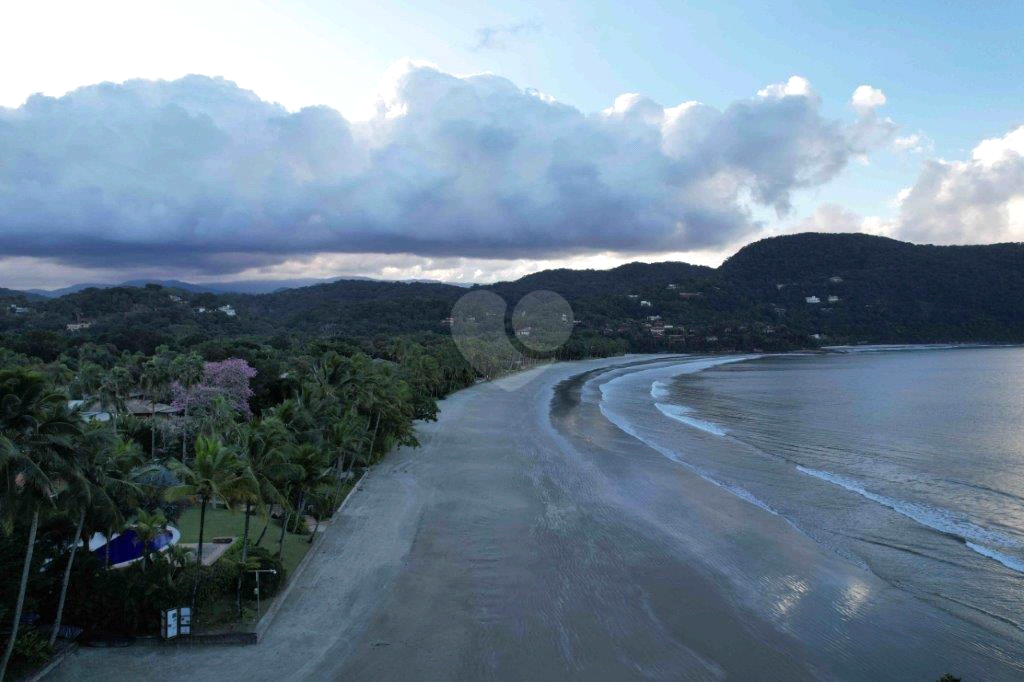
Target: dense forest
column 776, row 294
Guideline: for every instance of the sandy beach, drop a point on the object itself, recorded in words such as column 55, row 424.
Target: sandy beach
column 530, row 539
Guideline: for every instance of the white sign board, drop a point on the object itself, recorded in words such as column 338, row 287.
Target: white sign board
column 169, row 623
column 185, row 620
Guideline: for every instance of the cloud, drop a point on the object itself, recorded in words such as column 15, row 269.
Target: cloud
column 866, row 98
column 835, row 218
column 796, row 86
column 201, row 175
column 498, row 37
column 915, row 143
column 980, row 200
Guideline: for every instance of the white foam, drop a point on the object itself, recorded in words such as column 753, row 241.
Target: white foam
column 659, row 390
column 737, row 491
column 680, row 413
column 936, row 518
column 1012, row 563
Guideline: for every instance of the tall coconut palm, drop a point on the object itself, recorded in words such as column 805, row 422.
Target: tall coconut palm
column 113, row 392
column 36, row 430
column 156, row 376
column 217, row 472
column 263, row 447
column 103, row 490
column 148, row 527
column 315, row 466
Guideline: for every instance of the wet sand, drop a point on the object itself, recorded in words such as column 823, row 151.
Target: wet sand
column 529, row 539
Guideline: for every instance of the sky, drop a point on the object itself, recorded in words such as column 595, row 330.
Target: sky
column 481, row 141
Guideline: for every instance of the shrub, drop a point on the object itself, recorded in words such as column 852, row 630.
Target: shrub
column 31, row 650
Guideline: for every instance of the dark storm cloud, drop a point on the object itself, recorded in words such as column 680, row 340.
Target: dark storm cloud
column 201, row 173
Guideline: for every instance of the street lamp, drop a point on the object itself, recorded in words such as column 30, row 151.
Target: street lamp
column 257, row 571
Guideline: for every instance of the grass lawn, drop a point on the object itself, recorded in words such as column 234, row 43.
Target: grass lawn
column 221, row 615
column 226, row 523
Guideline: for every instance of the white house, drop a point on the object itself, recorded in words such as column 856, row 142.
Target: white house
column 646, row 304
column 227, row 310
column 813, row 299
column 833, row 299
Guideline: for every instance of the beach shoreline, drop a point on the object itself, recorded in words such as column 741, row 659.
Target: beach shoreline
column 531, row 539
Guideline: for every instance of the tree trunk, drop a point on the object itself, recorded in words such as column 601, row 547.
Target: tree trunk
column 21, row 593
column 67, row 577
column 300, row 514
column 316, row 529
column 245, row 556
column 199, row 552
column 263, row 532
column 373, row 438
column 152, row 428
column 280, row 539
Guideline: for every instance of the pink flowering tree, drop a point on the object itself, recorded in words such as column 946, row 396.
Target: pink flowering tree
column 224, row 384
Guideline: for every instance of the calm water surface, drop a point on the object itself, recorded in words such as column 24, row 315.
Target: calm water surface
column 909, row 463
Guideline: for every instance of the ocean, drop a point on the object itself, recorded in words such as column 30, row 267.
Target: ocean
column 906, row 462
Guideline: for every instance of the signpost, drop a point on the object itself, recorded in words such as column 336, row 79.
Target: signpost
column 176, row 621
column 257, row 590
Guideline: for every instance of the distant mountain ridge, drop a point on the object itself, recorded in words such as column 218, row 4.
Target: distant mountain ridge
column 253, row 286
column 785, row 292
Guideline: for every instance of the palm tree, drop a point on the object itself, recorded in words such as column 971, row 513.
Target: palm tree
column 149, row 527
column 263, row 444
column 104, row 491
column 315, row 465
column 155, row 378
column 217, row 472
column 113, row 391
column 36, row 428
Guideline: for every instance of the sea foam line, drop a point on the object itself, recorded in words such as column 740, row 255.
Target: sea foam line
column 1012, row 563
column 737, row 491
column 938, row 519
column 680, row 413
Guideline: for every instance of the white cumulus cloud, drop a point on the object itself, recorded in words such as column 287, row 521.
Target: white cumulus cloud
column 867, row 98
column 199, row 172
column 980, row 200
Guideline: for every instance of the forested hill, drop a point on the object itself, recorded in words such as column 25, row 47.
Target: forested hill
column 887, row 290
column 792, row 291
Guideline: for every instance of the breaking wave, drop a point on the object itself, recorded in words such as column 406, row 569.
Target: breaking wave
column 681, row 414
column 938, row 519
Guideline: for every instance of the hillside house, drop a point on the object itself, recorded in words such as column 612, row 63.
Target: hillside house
column 227, row 310
column 646, row 304
column 78, row 326
column 813, row 299
column 833, row 299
